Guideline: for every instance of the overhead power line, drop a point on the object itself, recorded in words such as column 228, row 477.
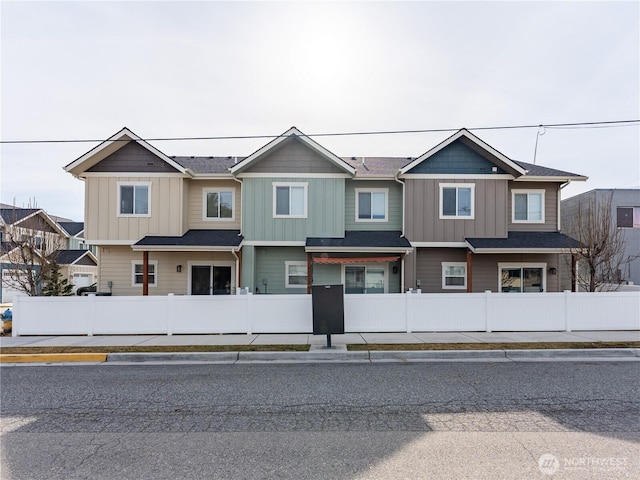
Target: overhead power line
column 605, row 124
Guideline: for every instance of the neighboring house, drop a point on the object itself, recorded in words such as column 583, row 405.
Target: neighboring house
column 78, row 265
column 625, row 215
column 461, row 217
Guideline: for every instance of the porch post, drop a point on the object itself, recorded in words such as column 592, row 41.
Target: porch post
column 309, row 271
column 574, row 273
column 145, row 273
column 469, row 271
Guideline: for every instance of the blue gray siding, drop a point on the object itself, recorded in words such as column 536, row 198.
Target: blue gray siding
column 456, row 158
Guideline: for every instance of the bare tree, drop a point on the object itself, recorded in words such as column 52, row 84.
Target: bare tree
column 27, row 246
column 598, row 264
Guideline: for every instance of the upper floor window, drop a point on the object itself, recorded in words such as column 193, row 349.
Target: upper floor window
column 528, row 206
column 457, row 200
column 454, row 275
column 290, row 200
column 296, row 274
column 371, row 205
column 137, row 273
column 218, row 204
column 628, row 217
column 133, row 198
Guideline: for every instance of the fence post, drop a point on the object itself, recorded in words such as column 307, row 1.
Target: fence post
column 567, row 320
column 92, row 317
column 249, row 311
column 487, row 294
column 171, row 313
column 15, row 325
column 408, row 311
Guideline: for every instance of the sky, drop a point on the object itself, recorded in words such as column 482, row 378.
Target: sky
column 84, row 70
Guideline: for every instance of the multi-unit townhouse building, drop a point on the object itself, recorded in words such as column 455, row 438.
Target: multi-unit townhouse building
column 460, row 217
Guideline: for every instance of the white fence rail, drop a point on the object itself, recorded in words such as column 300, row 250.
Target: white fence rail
column 410, row 312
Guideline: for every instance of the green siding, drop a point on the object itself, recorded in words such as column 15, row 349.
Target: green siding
column 394, row 199
column 325, row 210
column 270, row 265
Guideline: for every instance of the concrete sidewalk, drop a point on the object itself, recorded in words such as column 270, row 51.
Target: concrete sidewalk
column 320, row 340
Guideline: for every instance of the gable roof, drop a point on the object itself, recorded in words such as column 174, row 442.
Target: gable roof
column 475, row 144
column 70, row 257
column 112, row 145
column 16, row 216
column 72, row 228
column 293, row 132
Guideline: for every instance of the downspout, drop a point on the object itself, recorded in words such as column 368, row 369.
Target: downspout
column 241, row 203
column 559, row 205
column 235, row 254
column 403, row 202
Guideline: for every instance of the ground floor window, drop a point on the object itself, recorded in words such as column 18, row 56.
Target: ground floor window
column 365, row 278
column 211, row 279
column 296, row 274
column 522, row 278
column 137, row 271
column 454, row 275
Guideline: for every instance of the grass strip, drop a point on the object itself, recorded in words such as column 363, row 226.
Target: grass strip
column 158, row 349
column 492, row 346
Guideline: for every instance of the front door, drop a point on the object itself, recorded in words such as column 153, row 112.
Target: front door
column 210, row 280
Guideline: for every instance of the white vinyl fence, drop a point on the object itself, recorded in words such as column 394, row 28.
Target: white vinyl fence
column 410, row 312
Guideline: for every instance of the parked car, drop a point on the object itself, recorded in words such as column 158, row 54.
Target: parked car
column 86, row 290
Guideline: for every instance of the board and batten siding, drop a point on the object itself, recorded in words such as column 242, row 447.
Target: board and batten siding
column 423, row 223
column 394, row 205
column 102, row 220
column 115, row 266
column 325, row 210
column 551, row 191
column 195, row 204
column 293, row 156
column 270, row 266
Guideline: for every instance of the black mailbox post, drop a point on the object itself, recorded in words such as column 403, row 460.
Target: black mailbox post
column 328, row 310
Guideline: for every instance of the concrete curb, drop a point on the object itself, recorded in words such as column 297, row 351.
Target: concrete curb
column 211, row 357
column 338, row 355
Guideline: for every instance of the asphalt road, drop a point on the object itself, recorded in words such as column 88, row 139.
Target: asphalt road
column 321, row 421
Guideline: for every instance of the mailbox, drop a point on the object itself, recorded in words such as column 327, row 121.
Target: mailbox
column 328, row 309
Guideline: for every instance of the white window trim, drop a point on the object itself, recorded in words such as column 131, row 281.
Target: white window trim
column 385, row 266
column 206, row 191
column 471, row 186
column 134, row 184
column 358, row 191
column 513, row 205
column 133, row 273
column 304, row 185
column 543, row 266
column 286, row 274
column 444, row 276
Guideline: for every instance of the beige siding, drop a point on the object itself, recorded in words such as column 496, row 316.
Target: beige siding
column 423, row 223
column 195, row 204
column 115, row 266
column 550, row 207
column 103, row 223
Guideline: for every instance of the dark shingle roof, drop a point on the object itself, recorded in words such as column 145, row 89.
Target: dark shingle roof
column 208, row 165
column 540, row 171
column 364, row 239
column 199, row 238
column 526, row 240
column 72, row 228
column 67, row 257
column 12, row 215
column 377, row 166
